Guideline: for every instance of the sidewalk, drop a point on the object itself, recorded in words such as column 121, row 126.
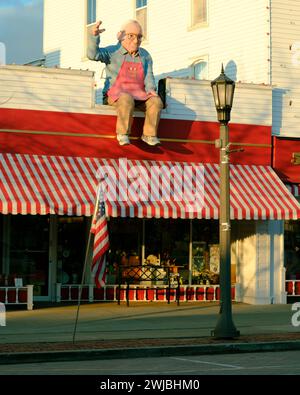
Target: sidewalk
column 106, row 330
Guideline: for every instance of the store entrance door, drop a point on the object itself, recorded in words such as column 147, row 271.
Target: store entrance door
column 29, row 252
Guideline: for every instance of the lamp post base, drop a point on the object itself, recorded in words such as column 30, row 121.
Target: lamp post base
column 225, row 329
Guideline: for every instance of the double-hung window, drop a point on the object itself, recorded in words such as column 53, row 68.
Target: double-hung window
column 91, row 12
column 200, row 70
column 141, row 15
column 199, row 12
column 90, row 20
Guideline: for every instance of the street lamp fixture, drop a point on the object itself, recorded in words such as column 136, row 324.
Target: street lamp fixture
column 223, row 91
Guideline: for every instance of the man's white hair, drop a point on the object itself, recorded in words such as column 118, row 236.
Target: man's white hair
column 130, row 22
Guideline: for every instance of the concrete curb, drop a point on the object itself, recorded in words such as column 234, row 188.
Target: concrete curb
column 142, row 352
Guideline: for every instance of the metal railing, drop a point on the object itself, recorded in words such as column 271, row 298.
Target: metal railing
column 139, row 293
column 153, row 274
column 292, row 287
column 17, row 295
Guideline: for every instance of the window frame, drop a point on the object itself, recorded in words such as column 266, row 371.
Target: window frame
column 87, row 27
column 87, row 22
column 193, row 24
column 136, row 9
column 198, row 60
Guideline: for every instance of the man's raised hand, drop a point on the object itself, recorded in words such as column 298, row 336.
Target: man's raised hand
column 96, row 31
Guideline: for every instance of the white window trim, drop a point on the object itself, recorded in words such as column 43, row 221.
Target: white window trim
column 199, row 59
column 145, row 40
column 84, row 58
column 198, row 25
column 86, row 13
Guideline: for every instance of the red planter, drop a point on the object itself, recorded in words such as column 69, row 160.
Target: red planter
column 110, row 294
column 74, row 293
column 11, row 296
column 140, row 294
column 289, row 287
column 2, row 296
column 232, row 293
column 160, row 294
column 131, row 294
column 200, row 293
column 182, row 294
column 190, row 293
column 172, row 292
column 210, row 293
column 98, row 293
column 150, row 294
column 22, row 296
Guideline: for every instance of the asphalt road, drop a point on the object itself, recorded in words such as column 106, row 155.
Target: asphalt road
column 263, row 363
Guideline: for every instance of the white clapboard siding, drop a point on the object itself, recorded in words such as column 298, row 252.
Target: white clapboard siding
column 286, row 67
column 192, row 99
column 73, row 91
column 45, row 88
column 233, row 34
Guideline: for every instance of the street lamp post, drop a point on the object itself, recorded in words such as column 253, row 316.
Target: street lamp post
column 223, row 90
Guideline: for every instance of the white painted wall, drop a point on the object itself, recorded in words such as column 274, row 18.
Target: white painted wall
column 286, row 67
column 52, row 89
column 236, row 35
column 29, row 87
column 191, row 99
column 258, row 254
column 257, row 40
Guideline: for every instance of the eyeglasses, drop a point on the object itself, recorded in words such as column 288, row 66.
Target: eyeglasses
column 132, row 36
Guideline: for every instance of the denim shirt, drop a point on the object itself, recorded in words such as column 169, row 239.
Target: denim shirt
column 113, row 56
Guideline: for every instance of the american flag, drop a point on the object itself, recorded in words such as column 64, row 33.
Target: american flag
column 101, row 245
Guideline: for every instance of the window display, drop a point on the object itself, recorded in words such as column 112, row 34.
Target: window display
column 292, row 250
column 71, row 246
column 166, row 242
column 29, row 251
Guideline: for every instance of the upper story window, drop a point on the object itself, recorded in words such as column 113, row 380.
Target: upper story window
column 91, row 11
column 200, row 70
column 199, row 12
column 141, row 15
column 91, row 15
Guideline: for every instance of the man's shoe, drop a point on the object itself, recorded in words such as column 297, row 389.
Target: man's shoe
column 123, row 139
column 150, row 140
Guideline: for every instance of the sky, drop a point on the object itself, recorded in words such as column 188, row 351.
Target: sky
column 21, row 30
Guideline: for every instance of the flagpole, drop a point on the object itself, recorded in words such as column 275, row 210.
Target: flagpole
column 85, row 262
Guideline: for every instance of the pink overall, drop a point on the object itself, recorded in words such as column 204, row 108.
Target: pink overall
column 129, row 80
column 128, row 92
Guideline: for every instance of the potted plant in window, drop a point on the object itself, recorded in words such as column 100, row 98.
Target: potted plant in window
column 206, row 277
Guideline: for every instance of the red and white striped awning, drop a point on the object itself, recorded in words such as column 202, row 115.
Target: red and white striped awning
column 37, row 184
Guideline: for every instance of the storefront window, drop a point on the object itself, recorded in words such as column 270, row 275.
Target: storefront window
column 168, row 240
column 292, row 249
column 71, row 247
column 125, row 238
column 1, row 252
column 29, row 251
column 205, row 251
